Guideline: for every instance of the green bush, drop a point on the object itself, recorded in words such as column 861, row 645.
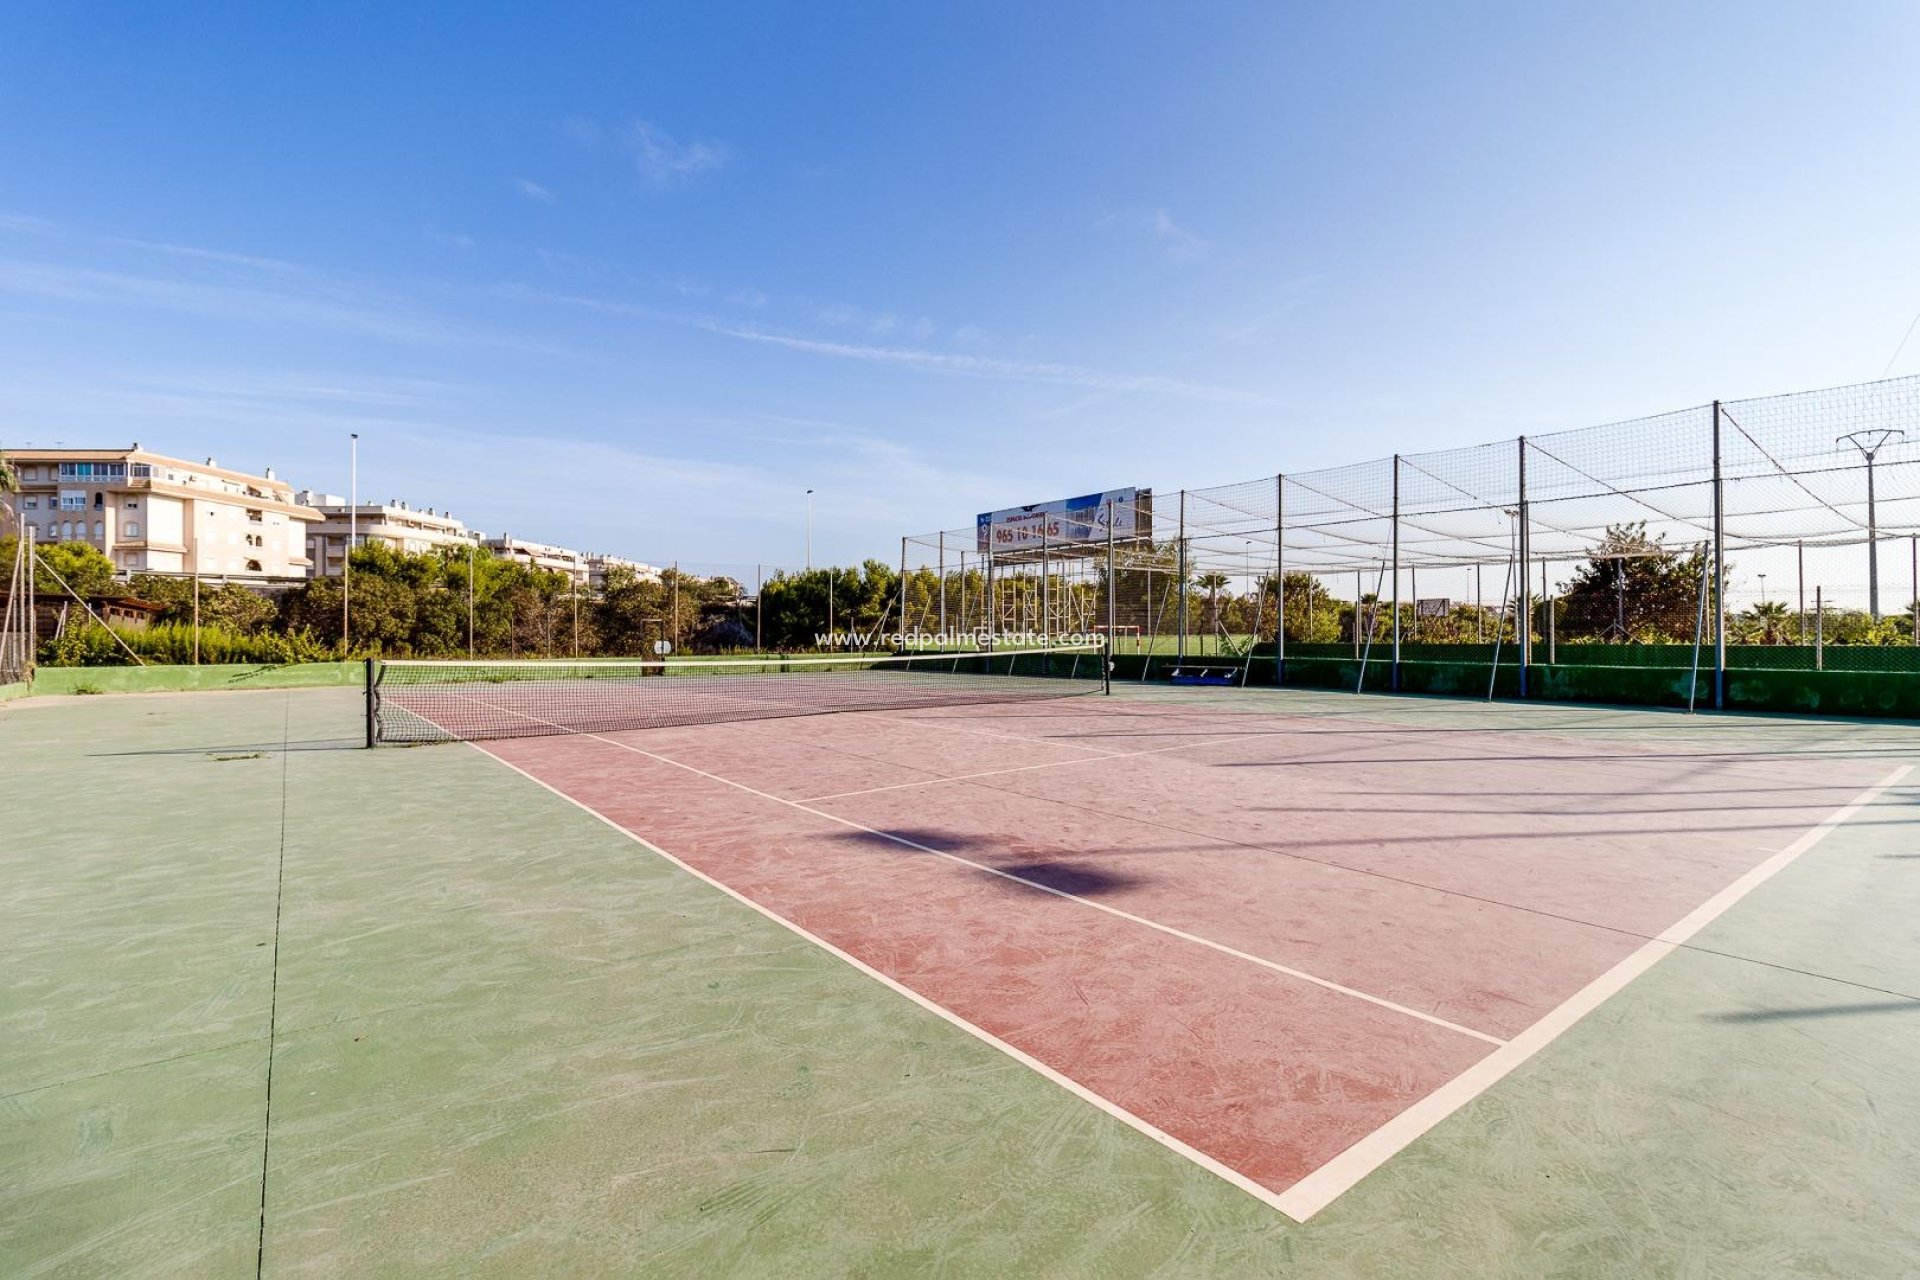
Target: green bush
column 171, row 644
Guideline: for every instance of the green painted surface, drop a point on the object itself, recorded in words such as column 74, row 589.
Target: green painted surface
column 512, row 1042
column 155, row 679
column 18, row 689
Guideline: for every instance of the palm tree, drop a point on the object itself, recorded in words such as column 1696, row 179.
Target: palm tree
column 1766, row 622
column 1211, row 584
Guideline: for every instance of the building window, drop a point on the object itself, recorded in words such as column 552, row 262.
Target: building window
column 132, row 504
column 99, row 500
column 253, row 566
column 140, row 471
column 132, row 528
column 253, row 516
column 99, row 531
column 73, row 500
column 93, row 470
column 30, row 504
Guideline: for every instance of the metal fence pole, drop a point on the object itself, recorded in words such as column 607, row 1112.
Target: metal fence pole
column 1180, row 647
column 1819, row 631
column 1800, row 577
column 903, row 593
column 1106, row 666
column 1359, row 589
column 943, row 588
column 759, row 611
column 1914, row 603
column 1719, row 572
column 991, row 620
column 1524, row 621
column 1280, row 582
column 1046, row 588
column 1394, row 683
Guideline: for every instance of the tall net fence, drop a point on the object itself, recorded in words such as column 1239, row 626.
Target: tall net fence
column 1779, row 533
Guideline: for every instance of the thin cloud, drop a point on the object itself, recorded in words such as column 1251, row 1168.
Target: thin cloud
column 985, row 367
column 665, row 162
column 1178, row 243
column 533, row 190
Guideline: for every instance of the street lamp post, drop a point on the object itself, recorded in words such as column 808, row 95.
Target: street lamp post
column 1869, row 443
column 353, row 529
column 809, row 529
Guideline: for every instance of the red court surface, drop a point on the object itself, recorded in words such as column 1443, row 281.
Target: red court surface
column 1283, row 945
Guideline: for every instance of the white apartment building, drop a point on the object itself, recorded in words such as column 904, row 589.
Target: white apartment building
column 597, row 566
column 395, row 523
column 149, row 513
column 539, row 555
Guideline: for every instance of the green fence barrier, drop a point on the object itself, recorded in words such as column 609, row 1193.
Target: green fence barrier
column 152, row 679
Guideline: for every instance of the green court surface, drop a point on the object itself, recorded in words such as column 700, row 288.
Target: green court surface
column 277, row 1005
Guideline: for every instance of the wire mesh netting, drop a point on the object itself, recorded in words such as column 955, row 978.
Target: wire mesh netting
column 435, row 701
column 1784, row 527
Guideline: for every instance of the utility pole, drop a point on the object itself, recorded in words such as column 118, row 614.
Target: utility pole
column 1869, row 442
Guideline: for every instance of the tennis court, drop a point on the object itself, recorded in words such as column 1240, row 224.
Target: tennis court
column 1022, row 982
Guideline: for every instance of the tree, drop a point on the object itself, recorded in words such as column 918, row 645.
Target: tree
column 230, row 605
column 1633, row 588
column 1211, row 583
column 83, row 568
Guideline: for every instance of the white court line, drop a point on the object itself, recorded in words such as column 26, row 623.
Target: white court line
column 1321, row 1187
column 1022, row 768
column 1329, row 1181
column 1181, row 934
column 1225, row 1172
column 1299, row 974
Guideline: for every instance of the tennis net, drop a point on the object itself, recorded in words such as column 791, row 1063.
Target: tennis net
column 421, row 700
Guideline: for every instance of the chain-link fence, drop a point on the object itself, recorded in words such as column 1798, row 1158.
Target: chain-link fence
column 1779, row 533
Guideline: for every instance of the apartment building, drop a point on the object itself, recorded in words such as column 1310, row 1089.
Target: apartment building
column 150, row 513
column 597, row 566
column 401, row 526
column 539, row 555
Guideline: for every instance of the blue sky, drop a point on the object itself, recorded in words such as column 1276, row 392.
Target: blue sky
column 633, row 277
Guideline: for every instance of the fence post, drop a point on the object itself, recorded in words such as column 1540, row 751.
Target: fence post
column 1180, row 648
column 992, row 622
column 1719, row 572
column 1914, row 604
column 1523, row 631
column 373, row 704
column 942, row 556
column 1046, row 588
column 1359, row 589
column 1800, row 577
column 1106, row 669
column 1819, row 631
column 1280, row 582
column 1394, row 683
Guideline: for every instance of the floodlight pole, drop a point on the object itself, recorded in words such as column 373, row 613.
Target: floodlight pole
column 809, row 530
column 1869, row 443
column 1394, row 683
column 903, row 594
column 943, row 588
column 353, row 530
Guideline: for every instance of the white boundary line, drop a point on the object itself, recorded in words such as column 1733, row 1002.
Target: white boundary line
column 1020, row 768
column 1342, row 1173
column 1327, row 1183
column 1263, row 1194
column 1181, row 934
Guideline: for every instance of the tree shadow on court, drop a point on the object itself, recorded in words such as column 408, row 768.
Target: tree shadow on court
column 1821, row 1011
column 1079, row 879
